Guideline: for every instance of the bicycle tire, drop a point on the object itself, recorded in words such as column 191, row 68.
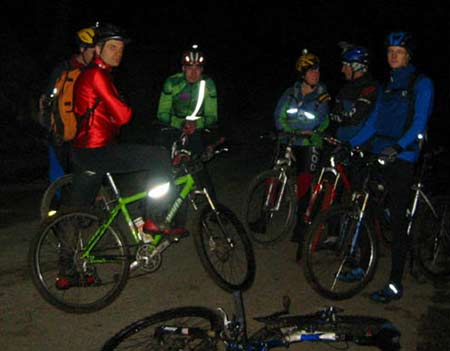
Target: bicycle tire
column 361, row 330
column 266, row 227
column 224, row 249
column 432, row 239
column 328, row 263
column 57, row 195
column 141, row 334
column 53, row 250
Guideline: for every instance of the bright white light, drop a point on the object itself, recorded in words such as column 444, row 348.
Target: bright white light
column 309, row 115
column 192, row 118
column 420, row 136
column 382, row 161
column 159, row 191
column 292, row 110
column 201, row 96
column 393, row 288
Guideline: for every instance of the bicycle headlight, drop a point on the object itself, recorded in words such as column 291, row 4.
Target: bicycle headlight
column 159, row 190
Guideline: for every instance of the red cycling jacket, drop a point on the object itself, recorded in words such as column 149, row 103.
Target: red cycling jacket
column 102, row 127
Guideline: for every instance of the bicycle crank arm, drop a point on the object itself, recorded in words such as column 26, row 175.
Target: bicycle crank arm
column 156, row 251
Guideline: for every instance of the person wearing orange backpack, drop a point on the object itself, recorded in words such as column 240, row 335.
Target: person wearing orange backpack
column 59, row 149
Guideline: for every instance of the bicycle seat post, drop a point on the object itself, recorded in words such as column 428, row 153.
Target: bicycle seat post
column 113, row 184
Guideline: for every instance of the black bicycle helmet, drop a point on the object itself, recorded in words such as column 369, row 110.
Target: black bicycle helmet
column 108, row 31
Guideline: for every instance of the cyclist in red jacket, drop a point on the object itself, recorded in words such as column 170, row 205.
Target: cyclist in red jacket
column 101, row 112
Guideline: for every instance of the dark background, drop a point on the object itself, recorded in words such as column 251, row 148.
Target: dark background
column 250, row 48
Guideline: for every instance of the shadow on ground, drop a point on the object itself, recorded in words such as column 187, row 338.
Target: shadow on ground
column 434, row 326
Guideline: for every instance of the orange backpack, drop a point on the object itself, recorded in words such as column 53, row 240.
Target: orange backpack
column 63, row 119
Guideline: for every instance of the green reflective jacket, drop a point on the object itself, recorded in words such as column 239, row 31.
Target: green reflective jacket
column 179, row 98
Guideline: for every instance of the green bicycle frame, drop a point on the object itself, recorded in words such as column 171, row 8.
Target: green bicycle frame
column 121, row 207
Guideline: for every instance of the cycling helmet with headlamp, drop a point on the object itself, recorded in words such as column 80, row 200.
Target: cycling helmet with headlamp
column 193, row 57
column 307, row 61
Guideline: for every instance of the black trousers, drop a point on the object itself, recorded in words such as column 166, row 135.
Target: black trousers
column 91, row 165
column 399, row 177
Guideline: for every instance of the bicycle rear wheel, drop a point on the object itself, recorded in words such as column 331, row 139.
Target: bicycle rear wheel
column 56, row 251
column 265, row 223
column 183, row 328
column 432, row 239
column 224, row 249
column 337, row 265
column 57, row 195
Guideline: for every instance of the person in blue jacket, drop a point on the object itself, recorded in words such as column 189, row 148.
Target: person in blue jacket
column 398, row 122
column 303, row 110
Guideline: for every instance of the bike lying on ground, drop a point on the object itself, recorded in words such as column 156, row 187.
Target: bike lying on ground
column 200, row 328
column 270, row 207
column 100, row 255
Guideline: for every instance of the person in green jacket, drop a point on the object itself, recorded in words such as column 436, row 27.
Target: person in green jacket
column 182, row 95
column 189, row 93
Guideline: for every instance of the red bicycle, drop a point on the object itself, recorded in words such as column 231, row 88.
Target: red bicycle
column 334, row 185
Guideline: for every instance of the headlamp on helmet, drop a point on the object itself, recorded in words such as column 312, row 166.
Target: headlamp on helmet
column 307, row 61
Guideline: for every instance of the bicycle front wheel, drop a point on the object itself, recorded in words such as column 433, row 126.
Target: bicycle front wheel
column 432, row 239
column 224, row 249
column 65, row 278
column 269, row 209
column 339, row 263
column 183, row 328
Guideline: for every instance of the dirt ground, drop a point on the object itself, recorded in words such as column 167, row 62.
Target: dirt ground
column 28, row 323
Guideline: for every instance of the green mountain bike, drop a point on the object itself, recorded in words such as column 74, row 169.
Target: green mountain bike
column 102, row 256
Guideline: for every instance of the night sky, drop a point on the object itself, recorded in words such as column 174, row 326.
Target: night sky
column 250, row 48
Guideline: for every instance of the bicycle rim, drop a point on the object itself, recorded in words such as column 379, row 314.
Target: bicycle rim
column 332, row 267
column 56, row 252
column 184, row 328
column 265, row 221
column 224, row 249
column 433, row 240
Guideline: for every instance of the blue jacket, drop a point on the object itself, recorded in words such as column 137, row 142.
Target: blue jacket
column 295, row 112
column 400, row 115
